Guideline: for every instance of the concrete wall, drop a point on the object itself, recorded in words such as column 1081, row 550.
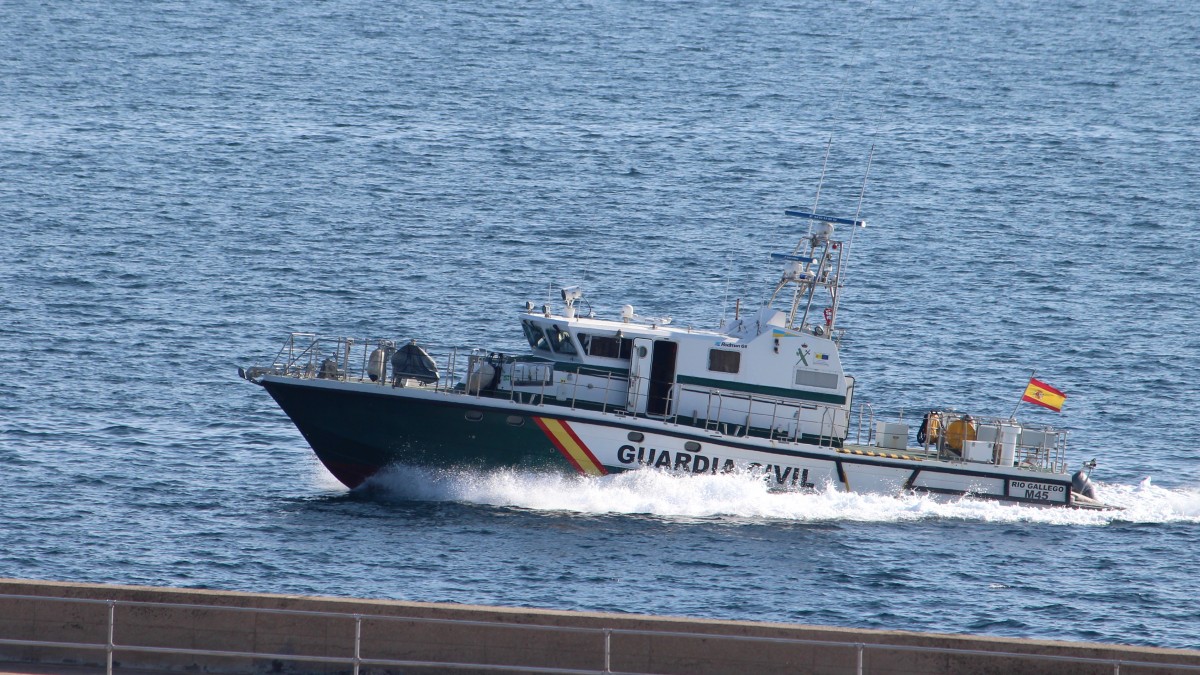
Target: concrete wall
column 219, row 626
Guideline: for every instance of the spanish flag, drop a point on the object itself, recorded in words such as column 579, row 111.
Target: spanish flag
column 1040, row 393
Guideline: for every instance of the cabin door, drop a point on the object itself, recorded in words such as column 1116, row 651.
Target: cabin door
column 640, row 361
column 662, row 378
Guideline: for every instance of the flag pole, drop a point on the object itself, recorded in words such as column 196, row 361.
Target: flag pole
column 1018, row 405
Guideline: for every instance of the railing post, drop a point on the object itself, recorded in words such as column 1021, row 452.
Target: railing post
column 608, row 650
column 108, row 648
column 860, row 659
column 346, row 360
column 357, row 642
column 604, row 403
column 362, row 370
column 575, row 390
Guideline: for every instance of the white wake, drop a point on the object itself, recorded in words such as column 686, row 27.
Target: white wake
column 742, row 496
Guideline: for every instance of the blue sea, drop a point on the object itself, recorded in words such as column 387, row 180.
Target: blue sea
column 183, row 183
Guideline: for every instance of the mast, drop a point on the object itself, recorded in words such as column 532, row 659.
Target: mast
column 815, row 267
column 818, row 261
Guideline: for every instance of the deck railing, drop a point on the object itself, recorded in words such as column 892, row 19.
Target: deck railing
column 306, row 355
column 365, row 360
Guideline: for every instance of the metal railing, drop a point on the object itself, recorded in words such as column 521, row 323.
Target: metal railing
column 736, row 414
column 604, row 635
column 866, row 412
column 347, row 359
column 359, row 360
column 1046, row 454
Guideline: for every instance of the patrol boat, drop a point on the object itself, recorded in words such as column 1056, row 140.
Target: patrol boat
column 764, row 394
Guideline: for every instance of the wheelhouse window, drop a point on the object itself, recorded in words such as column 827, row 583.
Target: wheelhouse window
column 535, row 336
column 722, row 361
column 606, row 346
column 560, row 341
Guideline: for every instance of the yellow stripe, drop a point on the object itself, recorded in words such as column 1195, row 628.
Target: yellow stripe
column 560, row 434
column 846, row 451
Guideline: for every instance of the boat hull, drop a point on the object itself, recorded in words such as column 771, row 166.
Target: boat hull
column 356, row 429
column 355, row 432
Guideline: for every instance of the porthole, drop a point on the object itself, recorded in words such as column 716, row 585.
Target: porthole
column 516, row 421
column 474, row 416
column 642, row 352
column 691, row 446
column 636, row 436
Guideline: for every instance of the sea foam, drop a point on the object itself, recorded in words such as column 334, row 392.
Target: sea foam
column 744, row 496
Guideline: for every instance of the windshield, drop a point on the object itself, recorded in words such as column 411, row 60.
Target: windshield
column 560, row 341
column 537, row 339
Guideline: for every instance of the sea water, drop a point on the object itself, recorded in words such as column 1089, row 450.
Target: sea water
column 181, row 184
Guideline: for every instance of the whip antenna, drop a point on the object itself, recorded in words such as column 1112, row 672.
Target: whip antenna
column 817, row 200
column 858, row 211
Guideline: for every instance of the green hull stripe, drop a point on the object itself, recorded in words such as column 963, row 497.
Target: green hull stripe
column 559, row 366
column 777, row 392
